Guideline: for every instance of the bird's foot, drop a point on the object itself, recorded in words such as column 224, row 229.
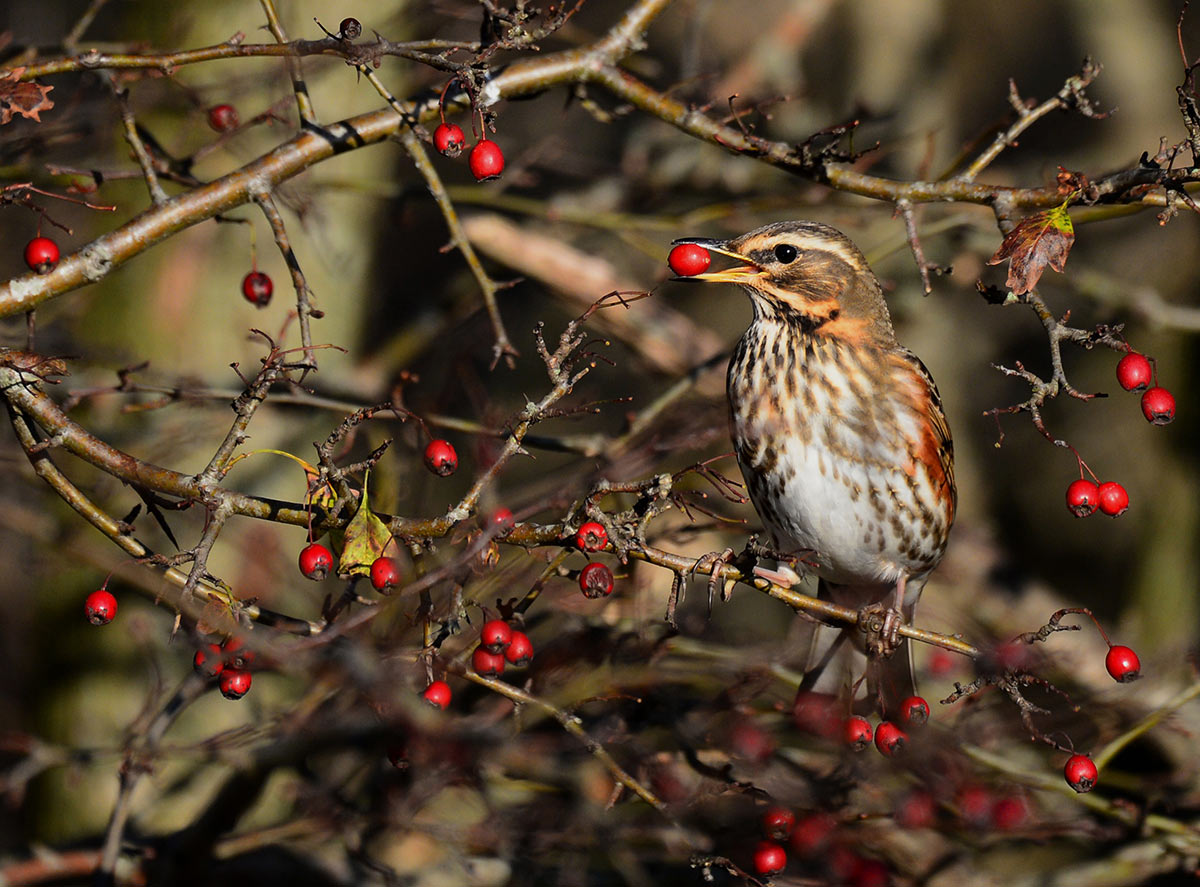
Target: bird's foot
column 881, row 624
column 711, row 563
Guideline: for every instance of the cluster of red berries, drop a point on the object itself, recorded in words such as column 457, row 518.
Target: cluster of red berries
column 316, row 561
column 596, row 579
column 41, row 254
column 486, row 160
column 813, row 837
column 889, row 738
column 500, row 644
column 228, row 662
column 1136, row 373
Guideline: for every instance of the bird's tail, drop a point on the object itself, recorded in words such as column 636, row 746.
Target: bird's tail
column 837, row 660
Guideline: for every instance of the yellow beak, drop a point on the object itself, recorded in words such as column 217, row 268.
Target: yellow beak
column 743, row 273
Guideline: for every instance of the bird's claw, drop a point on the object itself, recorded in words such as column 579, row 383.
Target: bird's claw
column 881, row 624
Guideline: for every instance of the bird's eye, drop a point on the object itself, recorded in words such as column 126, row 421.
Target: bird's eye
column 786, row 253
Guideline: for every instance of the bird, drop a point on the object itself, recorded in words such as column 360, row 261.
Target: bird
column 843, row 443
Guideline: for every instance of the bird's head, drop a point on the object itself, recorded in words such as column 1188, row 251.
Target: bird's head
column 805, row 272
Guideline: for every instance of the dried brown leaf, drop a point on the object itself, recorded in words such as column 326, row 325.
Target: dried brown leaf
column 27, row 99
column 1041, row 239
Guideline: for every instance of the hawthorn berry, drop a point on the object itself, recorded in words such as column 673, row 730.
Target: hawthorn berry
column 974, row 803
column 595, row 580
column 234, row 683
column 812, row 833
column 890, row 739
column 437, row 694
column 100, row 606
column 502, row 520
column 1081, row 773
column 223, row 118
column 519, row 651
column 917, row 810
column 41, row 254
column 486, row 664
column 749, row 741
column 817, row 713
column 689, row 259
column 235, row 653
column 316, row 561
column 914, row 711
column 591, row 537
column 448, row 138
column 486, row 160
column 350, row 29
column 495, row 636
column 870, row 873
column 1123, row 664
column 257, row 288
column 1158, row 406
column 857, row 733
column 385, row 573
column 440, row 458
column 769, row 858
column 1009, row 813
column 209, row 660
column 778, row 822
column 1134, row 372
column 1113, row 498
column 1082, row 497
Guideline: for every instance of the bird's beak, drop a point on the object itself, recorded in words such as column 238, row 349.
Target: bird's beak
column 738, row 274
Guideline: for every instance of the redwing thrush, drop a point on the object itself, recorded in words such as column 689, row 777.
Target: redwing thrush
column 841, row 437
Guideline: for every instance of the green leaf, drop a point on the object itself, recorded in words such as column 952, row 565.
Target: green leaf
column 366, row 538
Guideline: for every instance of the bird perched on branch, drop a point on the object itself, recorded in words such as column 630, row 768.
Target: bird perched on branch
column 841, row 437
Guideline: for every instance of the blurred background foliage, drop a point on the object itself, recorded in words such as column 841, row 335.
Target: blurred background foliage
column 585, row 206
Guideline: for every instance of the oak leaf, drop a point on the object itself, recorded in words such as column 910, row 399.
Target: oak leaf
column 1041, row 239
column 26, row 99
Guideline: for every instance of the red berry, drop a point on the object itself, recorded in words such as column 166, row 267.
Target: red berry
column 1113, row 498
column 495, row 636
column 890, row 739
column 209, row 660
column 41, row 254
column 350, row 29
column 234, row 683
column 1123, row 664
column 769, row 858
column 974, row 803
column 870, row 873
column 223, row 118
column 257, row 288
column 235, row 653
column 689, row 259
column 917, row 810
column 437, row 694
column 591, row 537
column 519, row 652
column 595, row 580
column 1158, row 406
column 100, row 606
column 486, row 160
column 1009, row 813
column 857, row 733
column 749, row 741
column 489, row 665
column 817, row 713
column 1082, row 497
column 1134, row 372
column 812, row 833
column 778, row 823
column 440, row 458
column 385, row 573
column 315, row 561
column 914, row 711
column 448, row 138
column 502, row 520
column 1081, row 773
